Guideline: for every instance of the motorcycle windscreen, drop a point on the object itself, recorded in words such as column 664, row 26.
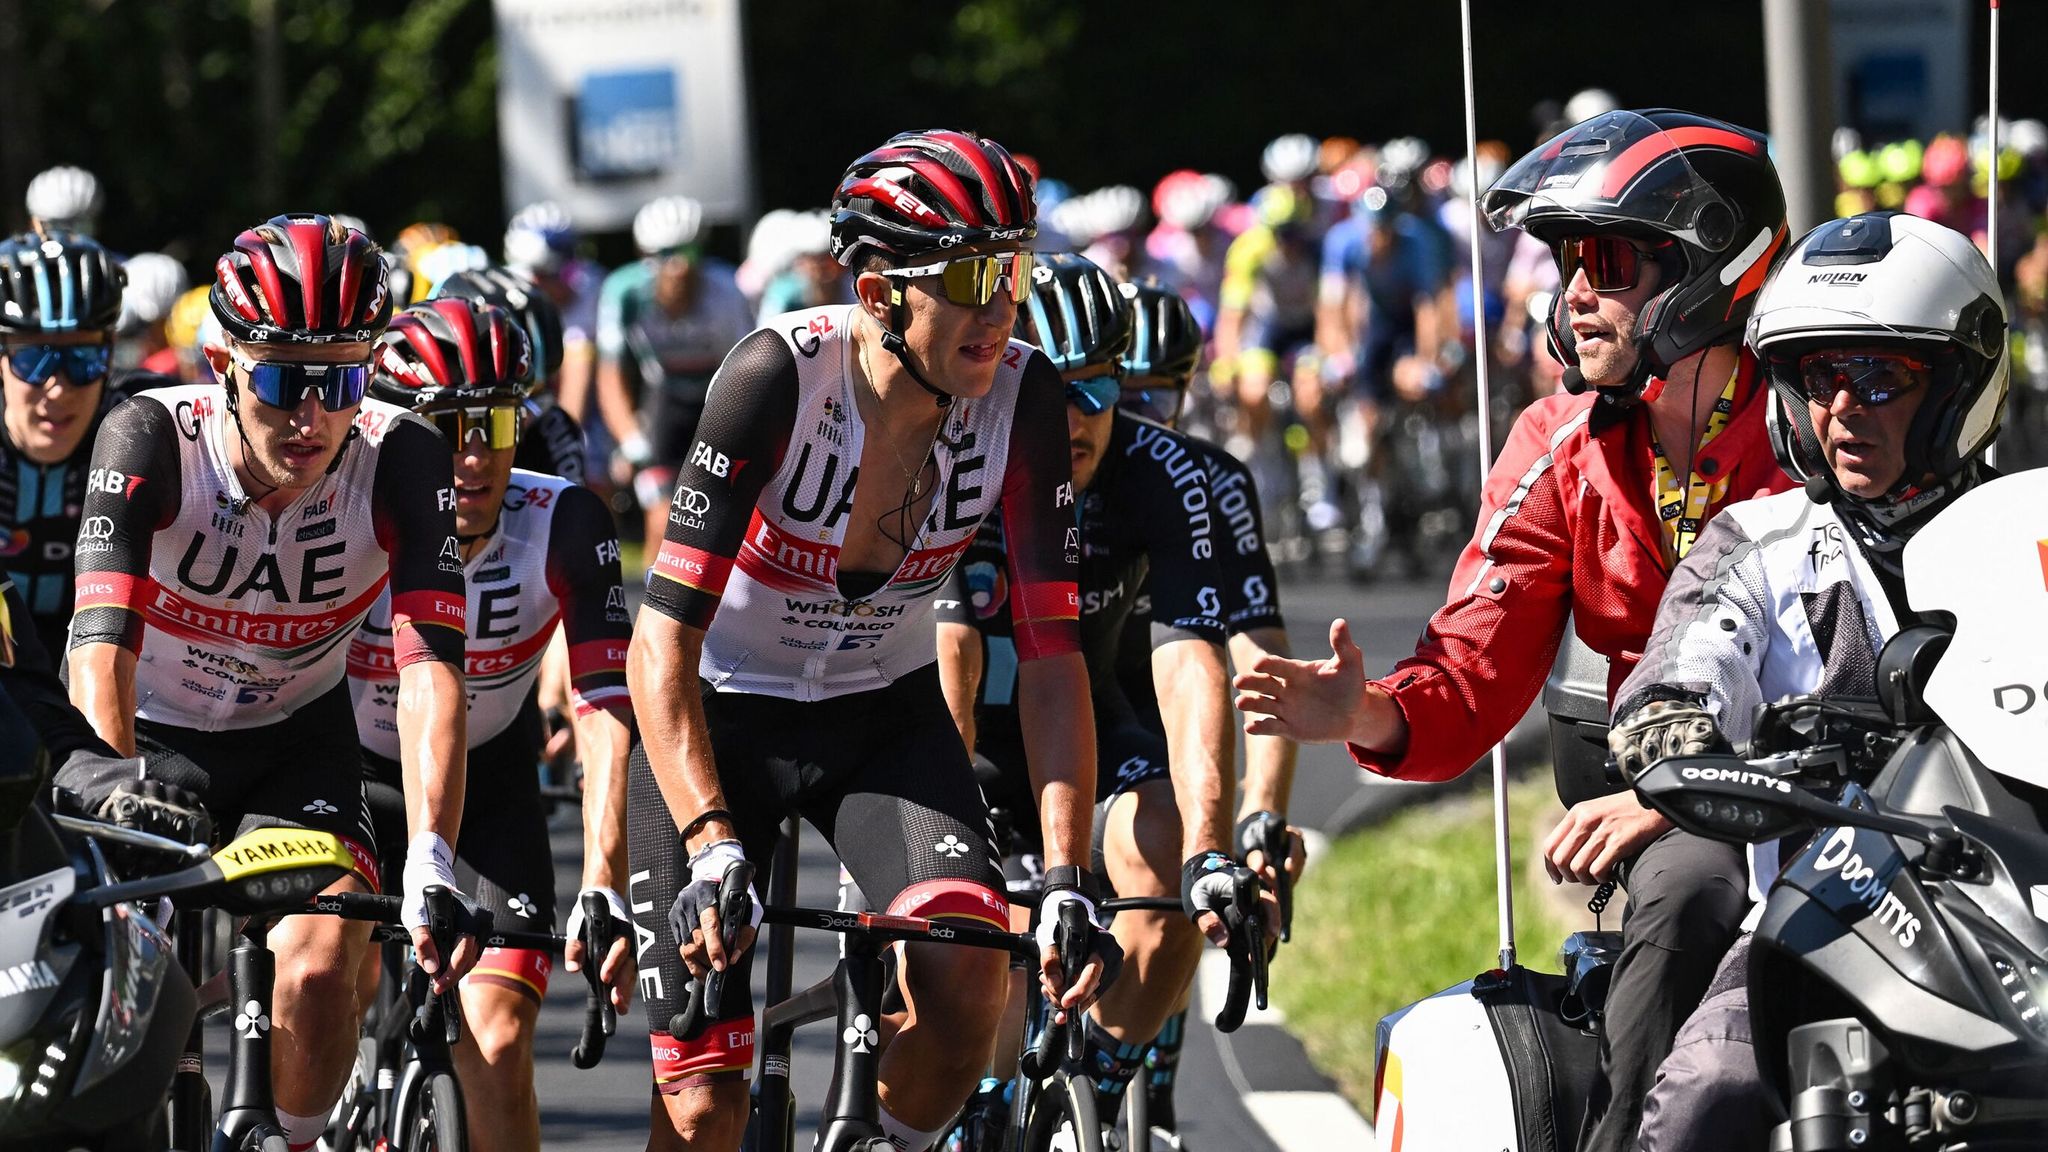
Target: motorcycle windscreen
column 1985, row 560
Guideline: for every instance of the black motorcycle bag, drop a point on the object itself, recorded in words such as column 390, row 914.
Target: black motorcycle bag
column 1552, row 1063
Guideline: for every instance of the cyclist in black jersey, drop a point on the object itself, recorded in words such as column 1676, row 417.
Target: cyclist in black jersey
column 1165, row 351
column 60, row 294
column 253, row 524
column 844, row 459
column 1145, row 517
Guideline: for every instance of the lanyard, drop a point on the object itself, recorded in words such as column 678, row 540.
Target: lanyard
column 1683, row 511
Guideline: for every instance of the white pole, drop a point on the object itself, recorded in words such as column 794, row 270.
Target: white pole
column 1991, row 190
column 1503, row 849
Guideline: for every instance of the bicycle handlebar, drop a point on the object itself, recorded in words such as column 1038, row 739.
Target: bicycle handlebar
column 600, row 1019
column 1247, row 951
column 1276, row 843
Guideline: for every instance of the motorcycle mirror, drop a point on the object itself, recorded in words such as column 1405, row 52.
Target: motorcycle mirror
column 1725, row 798
column 1903, row 669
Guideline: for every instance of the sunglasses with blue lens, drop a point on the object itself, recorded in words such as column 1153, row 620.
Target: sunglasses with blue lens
column 36, row 364
column 1093, row 394
column 283, row 385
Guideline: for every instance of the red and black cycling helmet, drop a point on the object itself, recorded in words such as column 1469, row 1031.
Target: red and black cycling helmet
column 1701, row 192
column 928, row 191
column 452, row 351
column 301, row 278
column 529, row 306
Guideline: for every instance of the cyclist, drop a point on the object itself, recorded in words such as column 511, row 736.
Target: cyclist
column 535, row 550
column 551, row 441
column 663, row 325
column 60, row 294
column 65, row 199
column 1664, row 225
column 1266, row 308
column 1187, row 247
column 1159, row 368
column 845, row 458
column 813, row 278
column 252, row 526
column 1884, row 406
column 540, row 243
column 1145, row 518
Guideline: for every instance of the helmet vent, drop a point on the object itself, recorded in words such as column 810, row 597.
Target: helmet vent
column 1863, row 239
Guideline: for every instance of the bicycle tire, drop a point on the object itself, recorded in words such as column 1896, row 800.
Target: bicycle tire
column 1065, row 1103
column 433, row 1119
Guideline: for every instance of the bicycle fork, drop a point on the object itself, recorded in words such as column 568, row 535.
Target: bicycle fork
column 190, row 1108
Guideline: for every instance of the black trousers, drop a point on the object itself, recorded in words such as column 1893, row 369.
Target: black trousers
column 1686, row 899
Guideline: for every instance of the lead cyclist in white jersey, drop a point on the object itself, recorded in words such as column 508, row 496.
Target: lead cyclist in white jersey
column 785, row 662
column 253, row 523
column 536, row 551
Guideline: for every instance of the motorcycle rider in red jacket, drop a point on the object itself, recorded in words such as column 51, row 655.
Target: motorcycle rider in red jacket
column 1664, row 225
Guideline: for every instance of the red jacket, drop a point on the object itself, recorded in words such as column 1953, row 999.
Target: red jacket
column 1567, row 524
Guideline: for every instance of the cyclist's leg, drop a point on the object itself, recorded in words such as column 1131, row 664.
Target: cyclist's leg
column 669, row 421
column 503, row 860
column 384, row 795
column 1141, row 850
column 700, row 1087
column 1006, row 784
column 304, row 771
column 912, row 828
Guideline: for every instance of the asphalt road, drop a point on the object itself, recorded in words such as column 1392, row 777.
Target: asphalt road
column 606, row 1108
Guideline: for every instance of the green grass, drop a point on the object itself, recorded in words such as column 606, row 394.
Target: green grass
column 1401, row 911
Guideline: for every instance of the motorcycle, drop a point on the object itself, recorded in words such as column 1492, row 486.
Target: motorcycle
column 1898, row 972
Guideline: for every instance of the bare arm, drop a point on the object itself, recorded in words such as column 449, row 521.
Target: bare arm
column 573, row 383
column 1268, row 759
column 1059, row 746
column 1194, row 703
column 433, row 746
column 960, row 659
column 661, row 673
column 614, row 402
column 103, row 687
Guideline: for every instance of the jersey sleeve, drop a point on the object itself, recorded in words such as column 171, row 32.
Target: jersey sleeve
column 1484, row 655
column 1712, row 634
column 748, row 417
column 1241, row 263
column 413, row 506
column 134, row 486
column 1040, row 532
column 1176, row 519
column 583, row 573
column 552, row 444
column 1251, row 588
column 613, row 311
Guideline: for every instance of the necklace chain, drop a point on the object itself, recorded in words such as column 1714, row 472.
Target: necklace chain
column 914, row 478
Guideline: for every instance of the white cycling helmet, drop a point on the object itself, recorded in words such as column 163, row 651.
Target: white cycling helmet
column 1588, row 103
column 1291, row 159
column 667, row 223
column 810, row 234
column 1117, row 208
column 155, row 281
column 1885, row 279
column 64, row 197
column 539, row 237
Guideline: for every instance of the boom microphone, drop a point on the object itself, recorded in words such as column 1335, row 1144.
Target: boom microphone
column 1818, row 489
column 1574, row 380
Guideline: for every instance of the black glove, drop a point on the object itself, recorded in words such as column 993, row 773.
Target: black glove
column 1661, row 729
column 1212, row 881
column 160, row 809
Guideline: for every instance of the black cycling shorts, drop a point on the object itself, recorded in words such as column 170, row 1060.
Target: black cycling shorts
column 502, row 857
column 1127, row 754
column 304, row 771
column 882, row 774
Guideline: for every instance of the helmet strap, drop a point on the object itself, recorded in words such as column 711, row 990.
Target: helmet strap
column 892, row 342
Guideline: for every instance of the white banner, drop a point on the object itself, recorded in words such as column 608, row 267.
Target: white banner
column 1901, row 67
column 605, row 104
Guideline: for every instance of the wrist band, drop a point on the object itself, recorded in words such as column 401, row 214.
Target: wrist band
column 694, row 826
column 1072, row 878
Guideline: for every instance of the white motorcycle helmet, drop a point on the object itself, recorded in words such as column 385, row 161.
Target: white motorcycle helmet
column 1887, row 280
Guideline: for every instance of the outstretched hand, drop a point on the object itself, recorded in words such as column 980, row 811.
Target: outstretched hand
column 1310, row 701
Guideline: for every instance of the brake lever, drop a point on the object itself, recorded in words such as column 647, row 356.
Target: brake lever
column 702, row 997
column 600, row 1019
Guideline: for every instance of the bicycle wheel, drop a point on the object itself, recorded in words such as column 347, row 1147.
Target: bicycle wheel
column 1137, row 1114
column 1062, row 1118
column 432, row 1119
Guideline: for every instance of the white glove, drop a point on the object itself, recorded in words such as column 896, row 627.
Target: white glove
column 708, row 867
column 1049, row 913
column 636, row 450
column 428, row 861
column 574, row 930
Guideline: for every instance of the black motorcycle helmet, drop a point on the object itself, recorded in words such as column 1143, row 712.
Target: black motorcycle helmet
column 1076, row 316
column 1702, row 189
